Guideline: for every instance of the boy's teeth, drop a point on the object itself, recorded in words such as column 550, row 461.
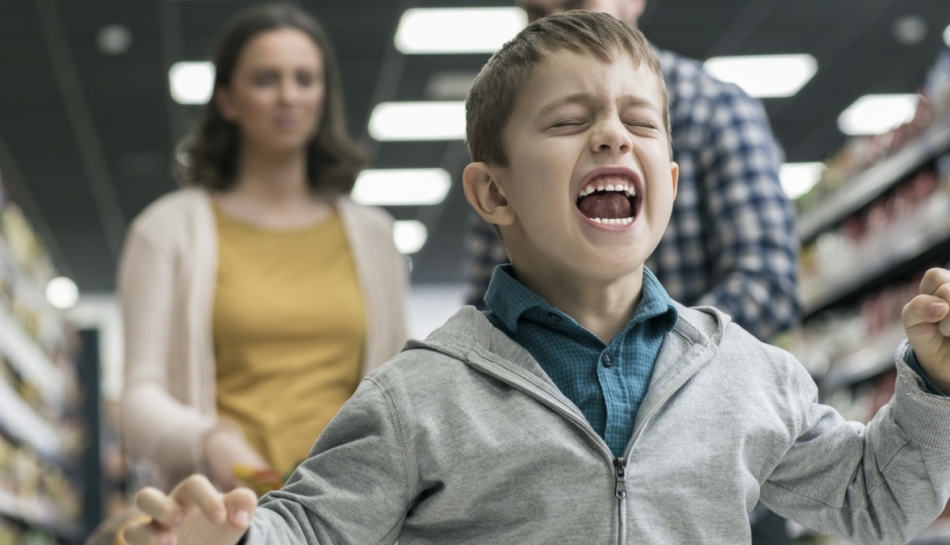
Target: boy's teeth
column 628, row 189
column 613, row 221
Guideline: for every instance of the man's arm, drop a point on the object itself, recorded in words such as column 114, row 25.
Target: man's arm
column 749, row 222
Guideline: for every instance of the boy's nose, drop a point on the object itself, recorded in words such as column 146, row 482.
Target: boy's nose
column 611, row 135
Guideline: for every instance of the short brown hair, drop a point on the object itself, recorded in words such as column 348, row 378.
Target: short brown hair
column 493, row 94
column 211, row 152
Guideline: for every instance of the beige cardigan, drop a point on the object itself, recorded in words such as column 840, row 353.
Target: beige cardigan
column 166, row 283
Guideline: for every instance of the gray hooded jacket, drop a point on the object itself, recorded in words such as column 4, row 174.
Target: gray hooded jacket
column 462, row 438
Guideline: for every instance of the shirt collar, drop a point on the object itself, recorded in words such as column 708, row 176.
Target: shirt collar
column 508, row 299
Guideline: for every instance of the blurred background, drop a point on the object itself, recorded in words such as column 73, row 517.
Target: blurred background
column 96, row 95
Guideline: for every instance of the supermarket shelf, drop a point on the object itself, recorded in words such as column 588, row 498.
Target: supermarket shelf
column 23, row 424
column 917, row 235
column 29, row 360
column 38, row 515
column 875, row 358
column 868, row 185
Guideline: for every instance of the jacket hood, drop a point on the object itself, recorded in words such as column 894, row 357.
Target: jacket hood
column 468, row 336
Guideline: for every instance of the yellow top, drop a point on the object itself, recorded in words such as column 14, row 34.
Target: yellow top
column 289, row 327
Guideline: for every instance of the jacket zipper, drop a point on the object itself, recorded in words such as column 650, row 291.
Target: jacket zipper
column 620, row 465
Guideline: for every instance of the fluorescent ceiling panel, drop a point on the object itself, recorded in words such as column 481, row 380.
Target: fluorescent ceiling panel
column 191, row 82
column 946, row 36
column 457, row 30
column 764, row 76
column 877, row 114
column 402, row 187
column 409, row 236
column 798, row 178
column 443, row 120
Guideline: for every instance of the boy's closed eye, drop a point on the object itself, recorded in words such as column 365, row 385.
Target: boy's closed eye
column 641, row 124
column 569, row 122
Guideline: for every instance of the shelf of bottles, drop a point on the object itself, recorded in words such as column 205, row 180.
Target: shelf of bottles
column 41, row 429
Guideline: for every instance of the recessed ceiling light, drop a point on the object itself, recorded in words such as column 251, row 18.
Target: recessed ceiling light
column 409, row 236
column 909, row 30
column 877, row 114
column 62, row 293
column 114, row 39
column 443, row 120
column 458, row 30
column 798, row 178
column 401, row 187
column 764, row 76
column 191, row 82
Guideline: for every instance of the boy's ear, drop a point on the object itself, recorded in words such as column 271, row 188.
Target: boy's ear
column 486, row 195
column 222, row 102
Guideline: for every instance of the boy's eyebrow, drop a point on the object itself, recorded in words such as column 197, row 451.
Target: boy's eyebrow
column 638, row 102
column 584, row 99
column 589, row 101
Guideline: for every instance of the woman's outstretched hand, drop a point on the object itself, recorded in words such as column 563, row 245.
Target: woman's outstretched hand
column 195, row 513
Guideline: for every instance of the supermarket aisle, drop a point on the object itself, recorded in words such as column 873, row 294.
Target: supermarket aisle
column 878, row 217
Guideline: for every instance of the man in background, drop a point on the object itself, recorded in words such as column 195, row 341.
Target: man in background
column 731, row 242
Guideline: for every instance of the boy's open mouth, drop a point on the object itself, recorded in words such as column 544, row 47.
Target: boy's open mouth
column 609, row 199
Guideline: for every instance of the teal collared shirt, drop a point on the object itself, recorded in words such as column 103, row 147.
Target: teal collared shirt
column 606, row 382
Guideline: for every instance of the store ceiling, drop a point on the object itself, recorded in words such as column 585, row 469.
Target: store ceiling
column 85, row 137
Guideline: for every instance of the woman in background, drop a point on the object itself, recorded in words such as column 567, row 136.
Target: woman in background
column 256, row 299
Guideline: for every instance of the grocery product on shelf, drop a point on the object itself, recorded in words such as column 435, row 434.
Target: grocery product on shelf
column 906, row 222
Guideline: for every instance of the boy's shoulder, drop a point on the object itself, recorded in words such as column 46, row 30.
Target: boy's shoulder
column 740, row 353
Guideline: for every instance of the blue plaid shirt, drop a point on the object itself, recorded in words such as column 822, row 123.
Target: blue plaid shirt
column 731, row 242
column 606, row 382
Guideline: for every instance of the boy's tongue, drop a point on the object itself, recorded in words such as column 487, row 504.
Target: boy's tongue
column 609, row 205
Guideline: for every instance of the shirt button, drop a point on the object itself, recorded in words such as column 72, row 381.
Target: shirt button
column 554, row 317
column 606, row 359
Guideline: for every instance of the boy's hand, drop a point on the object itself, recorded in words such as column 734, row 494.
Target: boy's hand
column 927, row 323
column 194, row 513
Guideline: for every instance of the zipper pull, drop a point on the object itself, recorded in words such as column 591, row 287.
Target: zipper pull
column 619, row 466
